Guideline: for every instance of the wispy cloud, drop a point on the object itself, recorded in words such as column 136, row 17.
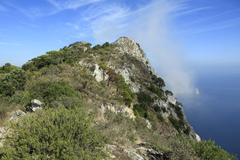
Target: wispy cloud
column 30, row 12
column 213, row 24
column 187, row 11
column 70, row 4
column 53, row 7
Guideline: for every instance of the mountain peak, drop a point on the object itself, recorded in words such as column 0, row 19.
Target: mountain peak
column 129, row 46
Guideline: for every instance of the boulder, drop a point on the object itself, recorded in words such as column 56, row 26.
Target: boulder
column 16, row 115
column 99, row 73
column 149, row 125
column 198, row 138
column 35, row 105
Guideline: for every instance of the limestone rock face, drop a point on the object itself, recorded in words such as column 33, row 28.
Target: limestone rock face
column 128, row 46
column 142, row 151
column 99, row 73
column 126, row 73
column 125, row 110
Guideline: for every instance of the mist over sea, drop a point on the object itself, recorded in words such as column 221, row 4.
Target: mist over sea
column 215, row 112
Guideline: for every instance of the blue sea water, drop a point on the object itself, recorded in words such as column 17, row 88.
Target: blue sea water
column 215, row 113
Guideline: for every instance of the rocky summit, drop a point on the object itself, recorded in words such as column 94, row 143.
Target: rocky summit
column 100, row 102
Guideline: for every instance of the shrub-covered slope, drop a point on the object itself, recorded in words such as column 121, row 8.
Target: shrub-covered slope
column 101, row 102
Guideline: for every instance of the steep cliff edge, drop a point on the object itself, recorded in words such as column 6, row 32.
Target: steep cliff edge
column 115, row 87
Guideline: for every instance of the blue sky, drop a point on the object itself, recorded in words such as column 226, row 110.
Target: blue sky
column 174, row 33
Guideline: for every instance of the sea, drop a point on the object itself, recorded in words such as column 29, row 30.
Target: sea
column 215, row 112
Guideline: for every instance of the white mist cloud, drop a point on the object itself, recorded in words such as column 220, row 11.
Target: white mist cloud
column 150, row 27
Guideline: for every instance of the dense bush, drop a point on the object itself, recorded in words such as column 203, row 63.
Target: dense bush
column 12, row 82
column 158, row 81
column 158, row 91
column 180, row 125
column 143, row 106
column 124, row 90
column 208, row 150
column 51, row 58
column 68, row 55
column 104, row 49
column 51, row 91
column 178, row 110
column 169, row 93
column 7, row 68
column 140, row 110
column 144, row 98
column 54, row 134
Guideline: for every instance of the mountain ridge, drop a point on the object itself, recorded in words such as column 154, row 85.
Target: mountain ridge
column 114, row 84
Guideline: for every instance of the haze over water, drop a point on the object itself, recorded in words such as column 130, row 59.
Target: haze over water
column 214, row 114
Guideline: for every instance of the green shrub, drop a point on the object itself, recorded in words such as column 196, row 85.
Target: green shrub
column 167, row 92
column 140, row 110
column 54, row 134
column 158, row 91
column 12, row 82
column 178, row 124
column 144, row 98
column 208, row 150
column 67, row 55
column 124, row 90
column 158, row 81
column 7, row 68
column 51, row 58
column 178, row 111
column 50, row 91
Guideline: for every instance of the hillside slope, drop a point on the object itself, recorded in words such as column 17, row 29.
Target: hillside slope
column 101, row 102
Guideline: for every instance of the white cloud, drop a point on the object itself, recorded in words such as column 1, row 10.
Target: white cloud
column 149, row 26
column 71, row 4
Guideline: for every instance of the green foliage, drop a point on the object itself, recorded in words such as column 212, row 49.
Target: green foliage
column 143, row 107
column 178, row 111
column 104, row 49
column 169, row 93
column 21, row 97
column 12, row 82
column 51, row 58
column 158, row 91
column 158, row 81
column 7, row 68
column 208, row 150
column 54, row 134
column 180, row 125
column 140, row 110
column 144, row 98
column 80, row 45
column 67, row 55
column 51, row 91
column 124, row 90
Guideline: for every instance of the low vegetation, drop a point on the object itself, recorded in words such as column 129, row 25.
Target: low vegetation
column 208, row 150
column 54, row 134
